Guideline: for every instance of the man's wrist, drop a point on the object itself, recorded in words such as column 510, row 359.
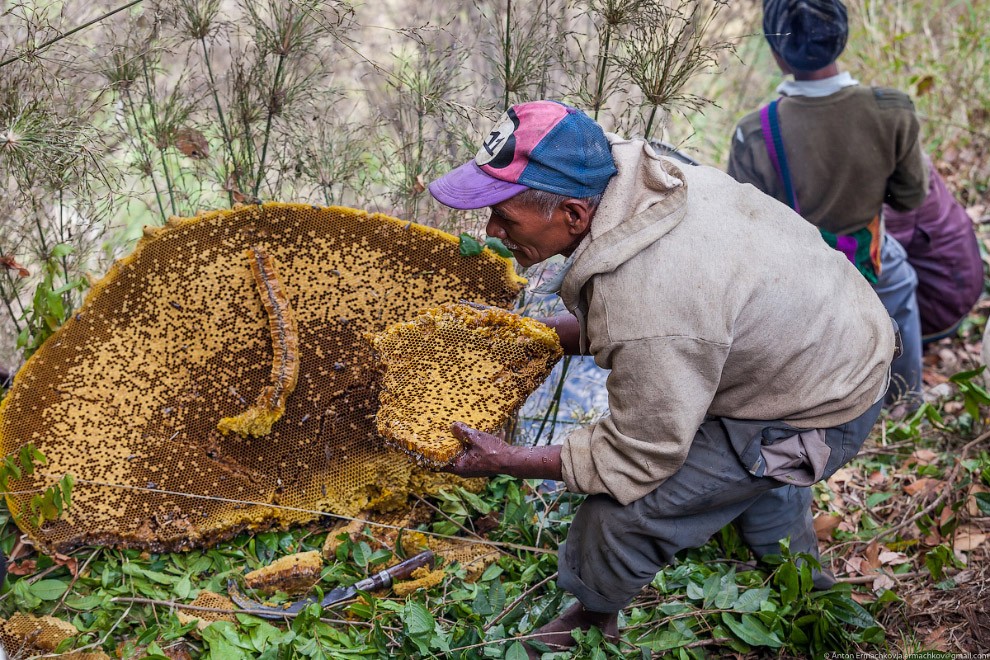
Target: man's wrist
column 536, row 462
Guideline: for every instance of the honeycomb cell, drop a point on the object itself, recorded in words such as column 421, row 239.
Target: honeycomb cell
column 127, row 395
column 457, row 363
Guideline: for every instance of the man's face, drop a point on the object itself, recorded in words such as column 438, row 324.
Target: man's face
column 529, row 234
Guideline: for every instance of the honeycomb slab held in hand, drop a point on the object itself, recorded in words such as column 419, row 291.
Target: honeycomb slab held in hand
column 457, row 363
column 182, row 334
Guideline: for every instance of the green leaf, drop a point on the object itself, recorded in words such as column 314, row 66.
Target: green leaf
column 751, row 630
column 983, row 502
column 362, row 553
column 417, row 619
column 496, row 246
column 516, row 651
column 694, row 591
column 850, row 612
column 23, row 597
column 966, row 376
column 68, row 482
column 470, row 247
column 492, row 572
column 728, row 591
column 134, row 570
column 27, row 460
column 84, row 603
column 217, row 636
column 48, row 589
column 750, row 600
column 877, row 498
column 787, row 581
column 182, row 588
column 711, row 588
column 61, row 250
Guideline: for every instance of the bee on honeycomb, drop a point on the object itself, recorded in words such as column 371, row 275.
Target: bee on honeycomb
column 250, row 321
column 457, row 363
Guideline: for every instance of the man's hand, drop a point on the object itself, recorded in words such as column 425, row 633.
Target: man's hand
column 486, row 455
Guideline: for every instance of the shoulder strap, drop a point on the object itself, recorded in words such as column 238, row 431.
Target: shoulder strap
column 770, row 123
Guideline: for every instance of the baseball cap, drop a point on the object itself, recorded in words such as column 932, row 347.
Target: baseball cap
column 541, row 144
column 808, row 34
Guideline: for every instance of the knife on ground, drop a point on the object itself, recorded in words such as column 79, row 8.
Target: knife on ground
column 379, row 580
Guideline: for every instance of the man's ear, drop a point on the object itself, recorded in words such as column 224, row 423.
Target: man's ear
column 577, row 215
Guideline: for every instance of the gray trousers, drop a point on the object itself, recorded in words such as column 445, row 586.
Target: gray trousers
column 613, row 550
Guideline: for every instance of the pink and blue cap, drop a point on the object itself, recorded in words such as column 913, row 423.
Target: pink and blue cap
column 542, row 144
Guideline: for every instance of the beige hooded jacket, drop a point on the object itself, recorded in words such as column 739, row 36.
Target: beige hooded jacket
column 705, row 296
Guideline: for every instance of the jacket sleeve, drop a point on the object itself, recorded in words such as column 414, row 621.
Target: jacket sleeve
column 749, row 161
column 907, row 186
column 659, row 391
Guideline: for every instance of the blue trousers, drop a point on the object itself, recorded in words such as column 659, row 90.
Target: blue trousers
column 896, row 287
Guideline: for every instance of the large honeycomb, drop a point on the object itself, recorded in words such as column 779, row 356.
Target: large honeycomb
column 457, row 363
column 179, row 336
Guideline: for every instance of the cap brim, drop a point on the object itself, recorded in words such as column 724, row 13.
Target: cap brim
column 468, row 187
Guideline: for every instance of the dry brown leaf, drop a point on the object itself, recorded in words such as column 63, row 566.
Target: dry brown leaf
column 924, row 85
column 70, row 563
column 888, row 558
column 862, row 597
column 935, row 640
column 922, row 485
column 967, row 538
column 9, row 263
column 841, row 475
column 953, row 407
column 883, row 581
column 871, row 556
column 847, row 526
column 925, row 456
column 25, row 567
column 854, row 566
column 420, row 185
column 191, row 143
column 963, row 577
column 877, row 478
column 825, row 524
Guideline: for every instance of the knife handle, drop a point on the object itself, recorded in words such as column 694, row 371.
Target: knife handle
column 400, row 571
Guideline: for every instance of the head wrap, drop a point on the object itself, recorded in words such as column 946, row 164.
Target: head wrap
column 808, row 34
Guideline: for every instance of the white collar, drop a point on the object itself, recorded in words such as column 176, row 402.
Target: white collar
column 817, row 88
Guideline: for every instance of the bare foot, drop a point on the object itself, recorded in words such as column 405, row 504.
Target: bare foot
column 557, row 633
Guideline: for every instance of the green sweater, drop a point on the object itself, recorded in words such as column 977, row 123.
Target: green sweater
column 848, row 153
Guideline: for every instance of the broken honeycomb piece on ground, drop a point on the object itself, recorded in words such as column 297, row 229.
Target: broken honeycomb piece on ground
column 353, row 529
column 380, row 529
column 422, row 578
column 24, row 635
column 203, row 618
column 257, row 420
column 126, row 396
column 292, row 574
column 474, row 556
column 457, row 363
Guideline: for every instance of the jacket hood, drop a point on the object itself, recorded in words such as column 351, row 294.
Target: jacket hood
column 645, row 199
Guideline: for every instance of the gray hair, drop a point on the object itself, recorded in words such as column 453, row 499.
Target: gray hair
column 547, row 202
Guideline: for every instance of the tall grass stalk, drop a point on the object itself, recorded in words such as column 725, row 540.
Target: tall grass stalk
column 159, row 134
